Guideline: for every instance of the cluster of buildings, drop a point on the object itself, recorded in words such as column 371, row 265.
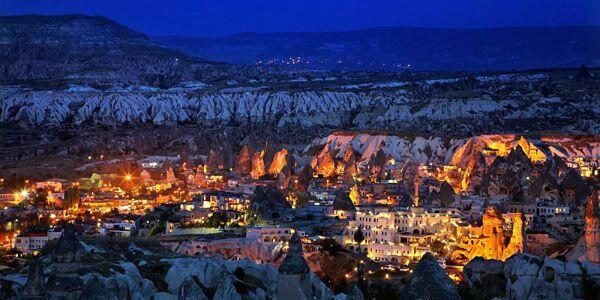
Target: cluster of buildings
column 400, row 235
column 387, row 212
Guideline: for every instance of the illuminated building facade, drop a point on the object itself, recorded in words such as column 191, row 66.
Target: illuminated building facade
column 400, row 235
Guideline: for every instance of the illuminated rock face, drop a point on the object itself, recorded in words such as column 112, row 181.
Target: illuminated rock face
column 279, row 161
column 354, row 195
column 493, row 235
column 348, row 170
column 534, row 153
column 588, row 247
column 237, row 248
column 215, row 160
column 349, row 157
column 474, row 172
column 243, row 163
column 378, row 164
column 377, row 152
column 517, row 241
column 349, row 174
column 478, row 152
column 493, row 146
column 258, row 165
column 324, row 165
column 494, row 241
column 170, row 175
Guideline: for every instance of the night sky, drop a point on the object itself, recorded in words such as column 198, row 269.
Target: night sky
column 218, row 17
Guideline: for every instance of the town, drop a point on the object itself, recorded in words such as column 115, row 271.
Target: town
column 497, row 196
column 299, row 150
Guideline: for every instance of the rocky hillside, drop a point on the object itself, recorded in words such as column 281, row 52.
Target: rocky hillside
column 459, row 106
column 526, row 276
column 82, row 70
column 96, row 268
column 457, row 152
column 396, row 48
column 54, row 50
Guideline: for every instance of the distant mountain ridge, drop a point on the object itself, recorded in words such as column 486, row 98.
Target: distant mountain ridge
column 93, row 50
column 399, row 48
column 78, row 28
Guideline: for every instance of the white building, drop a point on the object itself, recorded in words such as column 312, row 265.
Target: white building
column 54, row 184
column 546, row 210
column 120, row 229
column 32, row 242
column 400, row 235
column 7, row 198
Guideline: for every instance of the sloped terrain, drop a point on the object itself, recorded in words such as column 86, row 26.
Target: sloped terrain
column 397, row 48
column 55, row 50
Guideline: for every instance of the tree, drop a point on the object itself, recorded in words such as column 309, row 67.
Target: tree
column 331, row 246
column 446, row 194
column 40, row 197
column 359, row 237
column 438, row 248
column 159, row 227
column 71, row 198
column 217, row 219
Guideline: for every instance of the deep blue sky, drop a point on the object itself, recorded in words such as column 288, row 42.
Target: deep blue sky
column 217, row 17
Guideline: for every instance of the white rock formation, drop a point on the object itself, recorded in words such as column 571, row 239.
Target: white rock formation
column 385, row 109
column 527, row 276
column 588, row 246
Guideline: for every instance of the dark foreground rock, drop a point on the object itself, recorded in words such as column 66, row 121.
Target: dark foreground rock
column 430, row 281
column 525, row 276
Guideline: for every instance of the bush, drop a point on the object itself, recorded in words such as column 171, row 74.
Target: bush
column 331, row 246
column 157, row 228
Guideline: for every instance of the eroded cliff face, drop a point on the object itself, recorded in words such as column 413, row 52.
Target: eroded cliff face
column 493, row 146
column 430, row 281
column 258, row 165
column 493, row 241
column 265, row 161
column 235, row 249
column 325, row 164
column 525, row 276
column 280, row 160
column 335, row 106
column 144, row 270
column 376, row 153
column 517, row 238
column 243, row 163
column 215, row 160
column 588, row 246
